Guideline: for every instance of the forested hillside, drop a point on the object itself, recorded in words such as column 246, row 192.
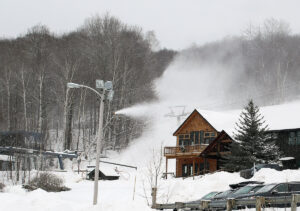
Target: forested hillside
column 36, row 67
column 263, row 63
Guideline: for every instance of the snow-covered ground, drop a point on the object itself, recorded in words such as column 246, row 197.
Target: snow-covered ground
column 120, row 195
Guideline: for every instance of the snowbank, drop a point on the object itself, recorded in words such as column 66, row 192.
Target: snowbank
column 118, row 195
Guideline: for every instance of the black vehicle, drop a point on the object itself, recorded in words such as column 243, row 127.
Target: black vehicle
column 220, row 200
column 248, row 173
column 247, row 190
column 224, row 194
column 278, row 190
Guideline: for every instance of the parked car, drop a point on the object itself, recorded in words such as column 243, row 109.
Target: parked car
column 247, row 190
column 206, row 197
column 278, row 190
column 224, row 194
column 221, row 199
column 248, row 173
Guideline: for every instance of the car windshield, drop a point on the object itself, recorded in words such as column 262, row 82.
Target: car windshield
column 266, row 188
column 209, row 195
column 243, row 190
column 223, row 194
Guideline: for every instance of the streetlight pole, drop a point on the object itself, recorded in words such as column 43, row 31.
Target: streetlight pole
column 100, row 135
column 107, row 86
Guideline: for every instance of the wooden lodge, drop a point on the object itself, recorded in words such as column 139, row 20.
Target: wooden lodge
column 288, row 141
column 199, row 147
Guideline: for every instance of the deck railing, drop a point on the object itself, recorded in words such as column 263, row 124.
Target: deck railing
column 169, row 151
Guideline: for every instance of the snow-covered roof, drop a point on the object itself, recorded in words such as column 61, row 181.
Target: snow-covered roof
column 287, row 158
column 277, row 117
column 107, row 169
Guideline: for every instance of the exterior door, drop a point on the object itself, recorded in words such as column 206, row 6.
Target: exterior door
column 187, row 170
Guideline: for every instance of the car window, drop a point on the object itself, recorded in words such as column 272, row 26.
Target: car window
column 266, row 188
column 256, row 188
column 209, row 195
column 282, row 188
column 243, row 190
column 295, row 187
column 223, row 194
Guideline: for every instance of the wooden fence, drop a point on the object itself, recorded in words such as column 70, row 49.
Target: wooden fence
column 233, row 204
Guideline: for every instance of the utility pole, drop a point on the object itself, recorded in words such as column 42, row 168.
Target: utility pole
column 107, row 86
column 100, row 135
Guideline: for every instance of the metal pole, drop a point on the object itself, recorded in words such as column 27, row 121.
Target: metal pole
column 100, row 135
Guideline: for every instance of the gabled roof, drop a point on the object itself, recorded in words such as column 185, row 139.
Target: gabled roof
column 195, row 112
column 223, row 135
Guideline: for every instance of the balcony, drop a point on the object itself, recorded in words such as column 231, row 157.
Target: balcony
column 184, row 150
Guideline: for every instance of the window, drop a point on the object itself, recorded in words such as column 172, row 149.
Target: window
column 213, row 134
column 201, row 137
column 196, row 170
column 184, row 139
column 292, row 138
column 184, row 170
column 191, row 169
column 266, row 188
column 295, row 187
column 197, row 137
column 282, row 188
column 206, row 134
column 192, row 138
column 298, row 138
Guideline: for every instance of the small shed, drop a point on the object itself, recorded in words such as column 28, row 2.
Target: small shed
column 104, row 173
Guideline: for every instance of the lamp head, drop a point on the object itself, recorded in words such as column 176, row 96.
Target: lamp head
column 73, row 85
column 108, row 85
column 99, row 84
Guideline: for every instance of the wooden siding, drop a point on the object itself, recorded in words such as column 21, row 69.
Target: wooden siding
column 195, row 123
column 193, row 162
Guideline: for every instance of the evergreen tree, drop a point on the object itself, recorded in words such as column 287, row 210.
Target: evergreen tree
column 251, row 143
column 237, row 159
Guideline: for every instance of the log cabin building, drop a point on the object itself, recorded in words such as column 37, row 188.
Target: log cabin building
column 199, row 147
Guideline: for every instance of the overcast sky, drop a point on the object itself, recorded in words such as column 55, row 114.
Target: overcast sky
column 177, row 23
